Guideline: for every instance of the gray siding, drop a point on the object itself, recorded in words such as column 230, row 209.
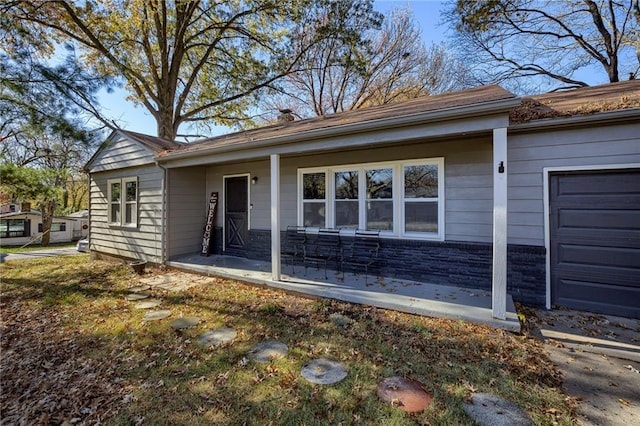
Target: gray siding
column 186, row 210
column 120, row 153
column 529, row 153
column 142, row 242
column 468, row 183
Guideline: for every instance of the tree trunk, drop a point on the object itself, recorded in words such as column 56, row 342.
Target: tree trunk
column 47, row 220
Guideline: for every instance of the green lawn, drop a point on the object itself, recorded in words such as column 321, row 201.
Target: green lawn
column 33, row 247
column 74, row 348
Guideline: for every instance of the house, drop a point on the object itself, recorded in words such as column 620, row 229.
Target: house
column 22, row 227
column 538, row 196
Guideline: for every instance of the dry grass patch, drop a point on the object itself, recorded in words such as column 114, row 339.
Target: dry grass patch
column 74, row 350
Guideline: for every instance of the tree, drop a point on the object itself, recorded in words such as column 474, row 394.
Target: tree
column 555, row 41
column 187, row 62
column 390, row 63
column 40, row 185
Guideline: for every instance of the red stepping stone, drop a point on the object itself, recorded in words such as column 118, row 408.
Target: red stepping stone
column 406, row 394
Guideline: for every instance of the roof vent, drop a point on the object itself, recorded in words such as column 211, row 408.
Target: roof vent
column 285, row 116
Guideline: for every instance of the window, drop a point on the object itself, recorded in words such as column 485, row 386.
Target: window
column 123, row 201
column 314, row 199
column 403, row 199
column 346, row 199
column 13, row 228
column 55, row 227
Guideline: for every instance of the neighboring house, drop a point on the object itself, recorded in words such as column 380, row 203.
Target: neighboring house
column 537, row 196
column 19, row 228
column 80, row 224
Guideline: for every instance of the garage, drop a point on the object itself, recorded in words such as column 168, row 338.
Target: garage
column 595, row 241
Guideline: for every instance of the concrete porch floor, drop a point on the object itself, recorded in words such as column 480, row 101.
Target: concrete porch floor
column 383, row 292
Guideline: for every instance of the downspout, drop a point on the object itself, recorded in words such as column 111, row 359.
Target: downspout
column 162, row 214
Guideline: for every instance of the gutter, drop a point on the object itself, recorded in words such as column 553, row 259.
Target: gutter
column 610, row 117
column 163, row 233
column 485, row 108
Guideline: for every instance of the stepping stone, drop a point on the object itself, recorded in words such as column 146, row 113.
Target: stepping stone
column 156, row 315
column 491, row 410
column 184, row 322
column 148, row 304
column 138, row 288
column 267, row 351
column 406, row 394
column 323, row 371
column 132, row 297
column 218, row 336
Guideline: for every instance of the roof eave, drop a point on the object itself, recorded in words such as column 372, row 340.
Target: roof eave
column 479, row 109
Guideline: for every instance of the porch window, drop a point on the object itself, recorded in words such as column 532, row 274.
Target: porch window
column 402, row 199
column 346, row 201
column 421, row 198
column 13, row 228
column 314, row 199
column 123, row 201
column 380, row 199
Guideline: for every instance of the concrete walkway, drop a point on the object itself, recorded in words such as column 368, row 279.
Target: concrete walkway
column 38, row 254
column 400, row 295
column 599, row 357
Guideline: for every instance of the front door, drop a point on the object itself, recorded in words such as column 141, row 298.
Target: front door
column 236, row 214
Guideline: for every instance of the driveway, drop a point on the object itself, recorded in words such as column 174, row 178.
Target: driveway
column 599, row 357
column 65, row 251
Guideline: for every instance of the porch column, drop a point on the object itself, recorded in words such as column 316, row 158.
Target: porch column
column 499, row 281
column 275, row 217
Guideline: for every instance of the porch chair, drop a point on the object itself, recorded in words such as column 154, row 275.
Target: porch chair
column 293, row 245
column 362, row 251
column 321, row 248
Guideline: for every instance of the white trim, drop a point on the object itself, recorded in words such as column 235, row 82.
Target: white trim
column 275, row 216
column 223, row 204
column 546, row 173
column 499, row 275
column 397, row 168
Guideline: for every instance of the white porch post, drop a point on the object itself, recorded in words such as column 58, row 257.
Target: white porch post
column 499, row 282
column 275, row 217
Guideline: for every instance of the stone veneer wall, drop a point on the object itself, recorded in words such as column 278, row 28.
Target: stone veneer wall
column 447, row 263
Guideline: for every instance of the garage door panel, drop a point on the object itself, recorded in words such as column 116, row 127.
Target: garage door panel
column 595, row 241
column 591, row 299
column 596, row 184
column 599, row 218
column 586, row 256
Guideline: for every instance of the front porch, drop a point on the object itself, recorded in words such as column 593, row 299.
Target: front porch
column 414, row 297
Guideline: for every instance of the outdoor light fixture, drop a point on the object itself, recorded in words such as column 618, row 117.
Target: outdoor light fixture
column 254, row 180
column 501, row 167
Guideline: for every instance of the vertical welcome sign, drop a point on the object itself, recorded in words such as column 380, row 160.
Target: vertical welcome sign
column 208, row 228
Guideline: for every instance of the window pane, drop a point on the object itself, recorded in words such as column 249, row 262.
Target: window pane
column 380, row 215
column 115, row 213
column 421, row 217
column 115, row 191
column 347, row 214
column 129, row 213
column 313, row 186
column 4, row 226
column 347, row 185
column 131, row 191
column 314, row 215
column 380, row 183
column 421, row 181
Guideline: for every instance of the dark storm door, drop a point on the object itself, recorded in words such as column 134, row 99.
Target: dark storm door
column 595, row 241
column 236, row 214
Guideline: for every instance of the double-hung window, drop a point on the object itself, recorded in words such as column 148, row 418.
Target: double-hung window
column 123, row 201
column 401, row 198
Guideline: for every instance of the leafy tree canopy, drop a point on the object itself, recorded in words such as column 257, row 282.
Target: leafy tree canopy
column 187, row 62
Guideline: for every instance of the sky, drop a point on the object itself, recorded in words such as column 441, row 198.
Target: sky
column 129, row 117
